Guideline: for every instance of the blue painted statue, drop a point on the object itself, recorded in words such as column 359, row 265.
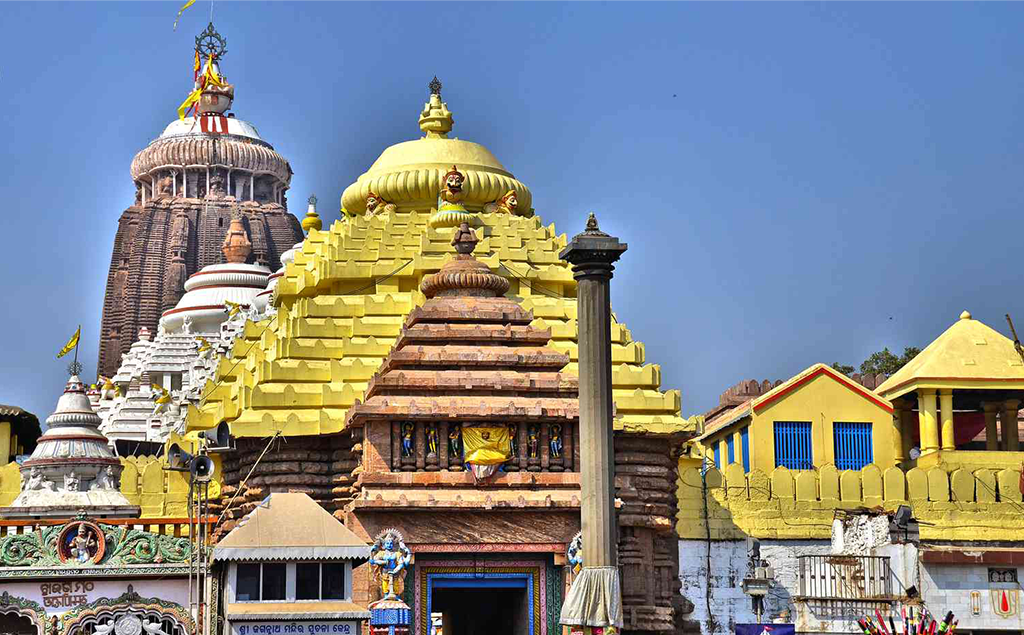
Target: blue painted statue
column 389, row 558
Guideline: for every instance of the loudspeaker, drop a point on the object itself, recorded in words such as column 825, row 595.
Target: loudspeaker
column 178, row 459
column 202, row 469
column 218, row 439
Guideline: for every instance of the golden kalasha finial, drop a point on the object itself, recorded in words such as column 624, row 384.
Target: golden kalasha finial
column 436, row 120
column 312, row 219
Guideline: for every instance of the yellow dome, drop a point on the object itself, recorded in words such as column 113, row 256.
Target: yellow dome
column 410, row 174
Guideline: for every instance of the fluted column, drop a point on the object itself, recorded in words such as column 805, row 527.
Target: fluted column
column 928, row 420
column 946, row 409
column 1010, row 434
column 991, row 433
column 595, row 598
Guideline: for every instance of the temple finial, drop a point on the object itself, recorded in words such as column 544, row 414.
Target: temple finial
column 435, row 86
column 436, row 120
column 465, row 239
column 312, row 219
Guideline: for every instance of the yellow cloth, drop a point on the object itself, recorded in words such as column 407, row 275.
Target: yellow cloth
column 72, row 343
column 182, row 10
column 486, row 445
column 191, row 99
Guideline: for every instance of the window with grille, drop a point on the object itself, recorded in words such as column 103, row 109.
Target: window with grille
column 793, row 445
column 718, row 455
column 853, row 447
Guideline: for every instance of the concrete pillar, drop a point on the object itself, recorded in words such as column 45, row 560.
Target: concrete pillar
column 8, row 449
column 1010, row 434
column 991, row 434
column 946, row 409
column 595, row 598
column 898, row 415
column 927, row 420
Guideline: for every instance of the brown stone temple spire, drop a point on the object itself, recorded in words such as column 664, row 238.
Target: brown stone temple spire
column 236, row 246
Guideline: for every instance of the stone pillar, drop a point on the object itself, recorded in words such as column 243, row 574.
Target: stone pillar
column 928, row 421
column 898, row 416
column 1010, row 434
column 595, row 598
column 946, row 409
column 991, row 433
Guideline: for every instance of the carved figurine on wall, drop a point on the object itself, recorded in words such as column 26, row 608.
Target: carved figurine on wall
column 455, row 441
column 376, row 205
column 83, row 545
column 407, row 430
column 533, row 443
column 432, row 439
column 71, row 482
column 452, row 191
column 105, row 479
column 505, row 205
column 164, row 398
column 574, row 554
column 556, row 441
column 34, row 480
column 513, row 441
column 389, row 559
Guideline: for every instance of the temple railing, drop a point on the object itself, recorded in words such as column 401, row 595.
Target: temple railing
column 839, row 577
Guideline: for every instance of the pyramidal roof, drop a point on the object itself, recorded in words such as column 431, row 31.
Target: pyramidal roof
column 969, row 354
column 269, row 532
column 470, row 353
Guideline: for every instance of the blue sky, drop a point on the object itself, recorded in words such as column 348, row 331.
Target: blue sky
column 798, row 183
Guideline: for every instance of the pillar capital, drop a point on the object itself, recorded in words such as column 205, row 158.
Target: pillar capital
column 1011, row 404
column 992, row 406
column 592, row 252
column 927, row 391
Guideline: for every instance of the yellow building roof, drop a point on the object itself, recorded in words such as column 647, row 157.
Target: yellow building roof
column 342, row 302
column 270, row 532
column 969, row 354
column 757, row 404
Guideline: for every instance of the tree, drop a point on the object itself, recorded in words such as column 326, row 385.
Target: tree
column 844, row 369
column 883, row 362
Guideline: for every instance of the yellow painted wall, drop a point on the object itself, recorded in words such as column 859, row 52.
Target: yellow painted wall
column 961, row 505
column 822, row 401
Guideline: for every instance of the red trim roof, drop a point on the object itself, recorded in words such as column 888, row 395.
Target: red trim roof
column 785, row 389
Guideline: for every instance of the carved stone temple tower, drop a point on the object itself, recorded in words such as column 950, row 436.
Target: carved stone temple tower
column 189, row 182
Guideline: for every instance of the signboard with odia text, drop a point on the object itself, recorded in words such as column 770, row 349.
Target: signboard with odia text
column 59, row 596
column 295, row 627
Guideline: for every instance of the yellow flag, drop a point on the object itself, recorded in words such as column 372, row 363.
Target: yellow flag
column 191, row 99
column 182, row 10
column 486, row 445
column 72, row 343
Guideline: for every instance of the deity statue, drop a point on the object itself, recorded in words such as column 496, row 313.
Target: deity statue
column 432, row 439
column 216, row 185
column 164, row 187
column 452, row 192
column 407, row 431
column 389, row 558
column 71, row 482
column 105, row 479
column 377, row 205
column 83, row 545
column 108, row 389
column 533, row 443
column 33, row 480
column 455, row 441
column 513, row 440
column 204, row 346
column 505, row 205
column 556, row 441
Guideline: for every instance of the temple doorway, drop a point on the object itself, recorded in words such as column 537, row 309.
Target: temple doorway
column 482, row 607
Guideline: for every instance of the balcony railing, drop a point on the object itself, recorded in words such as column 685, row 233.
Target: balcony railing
column 867, row 578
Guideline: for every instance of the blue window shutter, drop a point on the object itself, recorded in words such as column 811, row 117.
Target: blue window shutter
column 730, row 449
column 793, row 449
column 852, row 443
column 745, row 450
column 718, row 456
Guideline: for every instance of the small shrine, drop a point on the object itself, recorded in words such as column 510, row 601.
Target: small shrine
column 72, row 468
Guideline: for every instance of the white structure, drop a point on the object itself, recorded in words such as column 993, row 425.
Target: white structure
column 148, row 398
column 72, row 468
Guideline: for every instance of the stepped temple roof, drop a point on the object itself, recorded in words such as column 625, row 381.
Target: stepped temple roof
column 968, row 355
column 344, row 299
column 470, row 353
column 202, row 172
